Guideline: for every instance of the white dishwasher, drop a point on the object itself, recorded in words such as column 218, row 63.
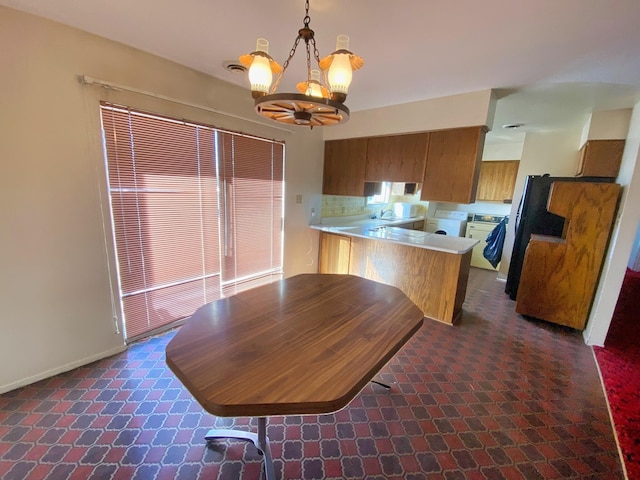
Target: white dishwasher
column 479, row 228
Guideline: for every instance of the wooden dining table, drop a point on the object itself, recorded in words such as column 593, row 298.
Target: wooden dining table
column 304, row 345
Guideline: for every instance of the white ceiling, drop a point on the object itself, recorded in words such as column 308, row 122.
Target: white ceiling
column 550, row 61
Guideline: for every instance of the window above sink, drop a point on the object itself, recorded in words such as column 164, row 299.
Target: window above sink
column 382, row 196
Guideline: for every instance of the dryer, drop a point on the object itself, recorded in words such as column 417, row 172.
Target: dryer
column 479, row 228
column 447, row 222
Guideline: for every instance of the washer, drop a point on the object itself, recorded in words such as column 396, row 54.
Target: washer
column 447, row 222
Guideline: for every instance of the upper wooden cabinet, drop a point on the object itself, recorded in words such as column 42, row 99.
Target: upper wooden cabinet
column 344, row 167
column 600, row 158
column 453, row 165
column 497, row 180
column 397, row 158
column 446, row 162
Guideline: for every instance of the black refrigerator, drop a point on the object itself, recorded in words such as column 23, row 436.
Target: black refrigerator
column 533, row 218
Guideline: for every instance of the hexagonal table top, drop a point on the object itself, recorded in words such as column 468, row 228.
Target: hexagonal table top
column 305, row 345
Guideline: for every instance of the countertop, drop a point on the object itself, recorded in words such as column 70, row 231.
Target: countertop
column 377, row 229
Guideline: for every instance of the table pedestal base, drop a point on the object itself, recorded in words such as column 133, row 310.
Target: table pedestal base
column 260, row 440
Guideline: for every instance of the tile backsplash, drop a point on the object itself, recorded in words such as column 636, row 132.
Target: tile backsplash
column 342, row 206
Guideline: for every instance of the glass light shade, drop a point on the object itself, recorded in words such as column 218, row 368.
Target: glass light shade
column 314, row 87
column 260, row 74
column 339, row 75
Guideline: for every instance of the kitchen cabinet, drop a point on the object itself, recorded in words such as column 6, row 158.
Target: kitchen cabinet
column 435, row 280
column 497, row 180
column 446, row 162
column 397, row 158
column 453, row 165
column 560, row 274
column 334, row 253
column 413, row 225
column 600, row 158
column 344, row 167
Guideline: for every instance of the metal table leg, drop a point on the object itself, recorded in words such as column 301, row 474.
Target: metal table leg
column 260, row 440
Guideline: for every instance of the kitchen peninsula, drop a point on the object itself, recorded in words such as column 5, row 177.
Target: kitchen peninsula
column 431, row 269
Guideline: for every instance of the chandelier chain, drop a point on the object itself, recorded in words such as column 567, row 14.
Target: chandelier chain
column 309, row 58
column 316, row 54
column 307, row 20
column 286, row 64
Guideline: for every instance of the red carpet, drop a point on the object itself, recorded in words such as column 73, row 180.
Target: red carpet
column 619, row 363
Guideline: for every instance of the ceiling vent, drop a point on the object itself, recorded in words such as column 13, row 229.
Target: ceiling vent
column 513, row 126
column 235, row 67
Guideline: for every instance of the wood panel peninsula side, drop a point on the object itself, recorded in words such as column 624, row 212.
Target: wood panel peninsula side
column 432, row 270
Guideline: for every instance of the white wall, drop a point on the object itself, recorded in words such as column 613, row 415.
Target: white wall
column 634, row 258
column 56, row 254
column 607, row 124
column 465, row 110
column 502, row 151
column 622, row 239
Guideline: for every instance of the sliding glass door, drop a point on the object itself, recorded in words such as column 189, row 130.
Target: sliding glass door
column 196, row 214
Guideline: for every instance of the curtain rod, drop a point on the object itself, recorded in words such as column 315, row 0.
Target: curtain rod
column 86, row 80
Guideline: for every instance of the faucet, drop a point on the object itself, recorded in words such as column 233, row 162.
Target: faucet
column 383, row 211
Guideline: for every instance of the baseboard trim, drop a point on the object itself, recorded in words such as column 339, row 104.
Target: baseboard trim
column 61, row 369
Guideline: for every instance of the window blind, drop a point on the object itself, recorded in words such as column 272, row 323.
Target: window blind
column 169, row 228
column 252, row 207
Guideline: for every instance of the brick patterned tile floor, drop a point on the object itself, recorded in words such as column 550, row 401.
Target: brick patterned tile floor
column 495, row 397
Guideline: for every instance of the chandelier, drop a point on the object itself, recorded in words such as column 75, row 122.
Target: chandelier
column 321, row 98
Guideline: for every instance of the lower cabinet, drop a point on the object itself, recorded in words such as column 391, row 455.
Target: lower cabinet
column 417, row 225
column 334, row 253
column 435, row 281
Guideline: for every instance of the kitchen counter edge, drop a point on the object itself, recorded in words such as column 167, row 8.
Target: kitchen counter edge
column 411, row 238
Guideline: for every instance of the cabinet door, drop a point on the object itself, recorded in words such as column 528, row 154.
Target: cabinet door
column 406, row 226
column 335, row 251
column 600, row 158
column 397, row 158
column 497, row 180
column 419, row 225
column 344, row 167
column 453, row 165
